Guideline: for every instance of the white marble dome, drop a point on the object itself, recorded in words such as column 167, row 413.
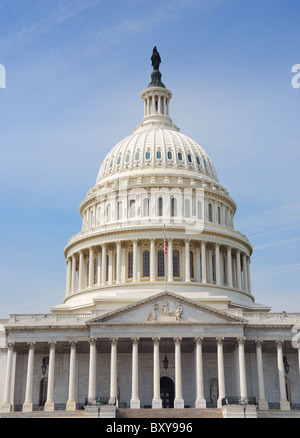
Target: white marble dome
column 162, row 148
column 157, row 219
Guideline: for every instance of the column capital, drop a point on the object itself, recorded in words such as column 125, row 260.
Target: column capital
column 241, row 340
column 279, row 343
column 198, row 340
column 259, row 342
column 73, row 344
column 114, row 341
column 92, row 341
column 177, row 340
column 219, row 340
column 31, row 345
column 135, row 340
column 52, row 344
column 156, row 340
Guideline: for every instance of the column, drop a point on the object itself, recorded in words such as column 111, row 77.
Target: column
column 187, row 261
column 248, row 272
column 7, row 405
column 118, row 267
column 178, row 401
column 203, row 261
column 152, row 259
column 229, row 267
column 113, row 372
column 238, row 269
column 99, row 267
column 27, row 405
column 73, row 286
column 170, row 259
column 245, row 272
column 156, row 401
column 218, row 270
column 200, row 401
column 103, row 273
column 134, row 260
column 242, row 368
column 49, row 405
column 262, row 402
column 284, row 404
column 81, row 271
column 71, row 403
column 68, row 279
column 135, row 401
column 91, row 267
column 221, row 373
column 93, row 369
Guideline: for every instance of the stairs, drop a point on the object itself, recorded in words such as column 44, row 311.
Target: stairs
column 169, row 413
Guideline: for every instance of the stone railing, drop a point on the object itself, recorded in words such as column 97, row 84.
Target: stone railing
column 272, row 318
column 49, row 318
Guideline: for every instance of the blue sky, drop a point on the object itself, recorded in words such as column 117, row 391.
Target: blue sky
column 74, row 73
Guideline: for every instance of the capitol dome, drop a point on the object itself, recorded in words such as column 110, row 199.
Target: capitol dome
column 157, row 219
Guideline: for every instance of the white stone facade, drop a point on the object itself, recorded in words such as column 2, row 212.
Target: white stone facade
column 158, row 310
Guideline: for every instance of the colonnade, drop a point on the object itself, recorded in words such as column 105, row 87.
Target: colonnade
column 93, row 385
column 186, row 260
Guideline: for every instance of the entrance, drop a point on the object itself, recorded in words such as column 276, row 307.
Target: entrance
column 167, row 392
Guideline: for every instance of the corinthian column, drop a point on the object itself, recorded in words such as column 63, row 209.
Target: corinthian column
column 156, row 401
column 178, row 402
column 135, row 401
column 284, row 404
column 27, row 405
column 200, row 400
column 221, row 372
column 113, row 371
column 71, row 404
column 6, row 405
column 262, row 402
column 49, row 405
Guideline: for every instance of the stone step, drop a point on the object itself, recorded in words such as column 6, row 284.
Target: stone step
column 169, row 413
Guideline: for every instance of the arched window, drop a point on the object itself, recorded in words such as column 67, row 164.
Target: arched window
column 173, row 207
column 179, row 155
column 130, row 264
column 169, row 155
column 147, row 155
column 187, row 212
column 158, row 155
column 132, row 208
column 191, row 264
column 176, row 264
column 160, row 263
column 146, row 207
column 214, row 268
column 146, row 264
column 159, row 207
column 210, row 212
column 199, row 210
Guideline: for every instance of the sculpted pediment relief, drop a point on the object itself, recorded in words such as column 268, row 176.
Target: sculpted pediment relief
column 166, row 308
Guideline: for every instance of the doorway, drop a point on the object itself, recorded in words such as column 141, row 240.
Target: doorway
column 167, row 392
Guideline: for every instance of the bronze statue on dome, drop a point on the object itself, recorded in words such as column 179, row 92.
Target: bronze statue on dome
column 155, row 59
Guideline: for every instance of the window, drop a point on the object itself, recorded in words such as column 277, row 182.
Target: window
column 127, row 158
column 205, row 164
column 160, row 263
column 169, row 155
column 189, row 158
column 146, row 265
column 210, row 212
column 146, row 205
column 214, row 268
column 132, row 208
column 179, row 155
column 159, row 207
column 198, row 160
column 119, row 160
column 191, row 264
column 176, row 265
column 173, row 207
column 137, row 156
column 130, row 264
column 147, row 155
column 158, row 155
column 187, row 212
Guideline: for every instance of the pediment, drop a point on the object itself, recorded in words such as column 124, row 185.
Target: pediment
column 166, row 308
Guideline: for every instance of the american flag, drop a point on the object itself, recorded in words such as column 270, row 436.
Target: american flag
column 165, row 242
